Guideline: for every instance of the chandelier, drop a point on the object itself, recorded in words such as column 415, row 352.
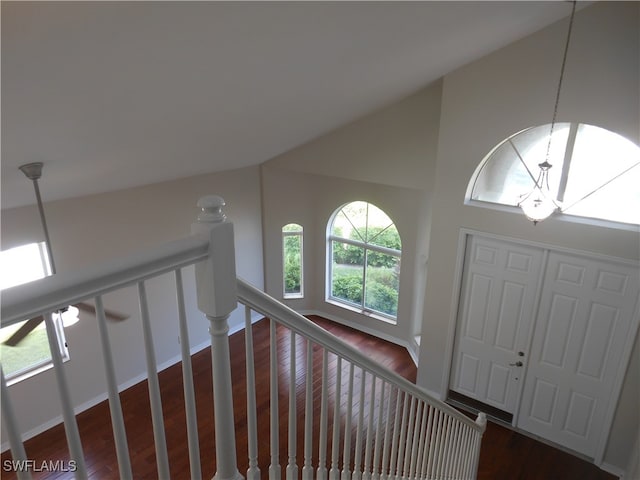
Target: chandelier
column 539, row 203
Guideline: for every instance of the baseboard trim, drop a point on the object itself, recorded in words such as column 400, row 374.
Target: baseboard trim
column 369, row 331
column 104, row 396
column 613, row 470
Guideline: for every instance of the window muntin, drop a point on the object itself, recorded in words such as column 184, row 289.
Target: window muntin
column 364, row 260
column 20, row 265
column 595, row 172
column 292, row 264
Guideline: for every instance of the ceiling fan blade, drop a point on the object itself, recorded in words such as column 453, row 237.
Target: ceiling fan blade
column 23, row 331
column 110, row 314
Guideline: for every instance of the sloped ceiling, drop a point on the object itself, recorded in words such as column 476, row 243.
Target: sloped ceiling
column 111, row 95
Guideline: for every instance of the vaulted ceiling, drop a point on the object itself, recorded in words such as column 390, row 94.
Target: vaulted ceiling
column 111, row 95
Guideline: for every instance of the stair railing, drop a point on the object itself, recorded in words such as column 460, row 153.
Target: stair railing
column 369, row 423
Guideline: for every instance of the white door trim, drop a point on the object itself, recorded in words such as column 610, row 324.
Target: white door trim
column 463, row 235
column 617, row 384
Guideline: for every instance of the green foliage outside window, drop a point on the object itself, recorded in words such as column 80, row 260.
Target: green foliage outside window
column 292, row 256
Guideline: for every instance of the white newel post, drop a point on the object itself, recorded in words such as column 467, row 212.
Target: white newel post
column 217, row 298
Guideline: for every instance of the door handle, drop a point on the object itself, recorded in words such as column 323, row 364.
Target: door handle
column 517, row 364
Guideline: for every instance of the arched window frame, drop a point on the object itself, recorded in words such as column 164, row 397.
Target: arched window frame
column 292, row 233
column 562, row 158
column 332, row 239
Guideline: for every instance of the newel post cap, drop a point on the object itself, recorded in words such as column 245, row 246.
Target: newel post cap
column 216, row 275
column 211, row 209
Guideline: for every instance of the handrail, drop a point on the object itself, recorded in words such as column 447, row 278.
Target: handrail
column 57, row 291
column 264, row 304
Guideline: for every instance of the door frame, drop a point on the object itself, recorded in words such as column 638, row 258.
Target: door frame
column 463, row 236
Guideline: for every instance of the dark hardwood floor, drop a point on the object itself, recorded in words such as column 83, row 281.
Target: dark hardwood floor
column 505, row 454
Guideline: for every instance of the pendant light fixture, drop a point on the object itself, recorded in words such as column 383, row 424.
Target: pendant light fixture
column 539, row 203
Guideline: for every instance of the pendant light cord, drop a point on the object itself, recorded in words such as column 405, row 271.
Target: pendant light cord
column 564, row 61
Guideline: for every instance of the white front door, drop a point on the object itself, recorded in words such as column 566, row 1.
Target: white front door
column 496, row 309
column 585, row 315
column 568, row 320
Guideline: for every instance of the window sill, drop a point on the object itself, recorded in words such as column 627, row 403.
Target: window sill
column 32, row 372
column 288, row 296
column 361, row 311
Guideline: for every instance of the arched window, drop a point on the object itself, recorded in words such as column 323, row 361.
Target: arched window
column 595, row 172
column 292, row 261
column 364, row 251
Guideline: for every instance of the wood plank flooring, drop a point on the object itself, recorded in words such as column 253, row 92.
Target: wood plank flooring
column 505, row 454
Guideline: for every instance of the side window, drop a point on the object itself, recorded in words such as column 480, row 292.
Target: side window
column 31, row 354
column 364, row 250
column 292, row 254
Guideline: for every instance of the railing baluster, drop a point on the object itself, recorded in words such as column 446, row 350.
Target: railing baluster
column 18, row 453
column 376, row 470
column 396, row 436
column 334, row 473
column 423, row 434
column 307, row 469
column 187, row 382
column 408, row 438
column 70, row 424
column 384, row 470
column 154, row 387
column 292, row 467
column 115, row 408
column 357, row 472
column 444, row 447
column 274, row 467
column 456, row 449
column 322, row 450
column 415, row 439
column 403, row 435
column 433, row 450
column 366, row 470
column 428, row 448
column 346, row 455
column 468, row 454
column 253, row 472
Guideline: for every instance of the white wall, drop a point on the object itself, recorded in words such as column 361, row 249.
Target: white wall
column 490, row 99
column 97, row 228
column 395, row 145
column 386, row 158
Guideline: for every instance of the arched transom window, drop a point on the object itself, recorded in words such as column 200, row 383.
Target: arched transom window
column 595, row 172
column 364, row 251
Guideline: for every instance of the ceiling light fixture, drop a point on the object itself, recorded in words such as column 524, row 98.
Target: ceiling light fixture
column 539, row 203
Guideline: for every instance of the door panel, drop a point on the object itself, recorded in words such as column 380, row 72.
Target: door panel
column 498, row 295
column 585, row 315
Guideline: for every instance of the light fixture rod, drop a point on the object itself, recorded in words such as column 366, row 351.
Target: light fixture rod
column 33, row 171
column 564, row 62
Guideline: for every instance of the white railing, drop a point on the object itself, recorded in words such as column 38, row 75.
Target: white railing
column 369, row 423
